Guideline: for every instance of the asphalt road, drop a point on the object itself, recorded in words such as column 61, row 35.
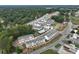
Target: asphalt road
column 47, row 47
column 64, row 33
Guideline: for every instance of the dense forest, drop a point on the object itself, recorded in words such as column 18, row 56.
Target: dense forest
column 13, row 23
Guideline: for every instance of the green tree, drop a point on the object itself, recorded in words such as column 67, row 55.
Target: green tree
column 59, row 18
column 18, row 50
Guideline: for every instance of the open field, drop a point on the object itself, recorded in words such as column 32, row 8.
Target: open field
column 60, row 26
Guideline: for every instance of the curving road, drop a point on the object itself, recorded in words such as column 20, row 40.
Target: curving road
column 65, row 32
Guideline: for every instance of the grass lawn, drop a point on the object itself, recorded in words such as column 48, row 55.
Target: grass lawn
column 58, row 45
column 77, row 45
column 75, row 20
column 60, row 26
column 57, row 25
column 49, row 51
column 56, row 38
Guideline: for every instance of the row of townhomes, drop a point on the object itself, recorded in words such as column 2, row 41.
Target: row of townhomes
column 44, row 27
column 47, row 32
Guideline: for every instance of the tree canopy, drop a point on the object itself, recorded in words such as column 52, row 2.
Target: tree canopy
column 59, row 18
